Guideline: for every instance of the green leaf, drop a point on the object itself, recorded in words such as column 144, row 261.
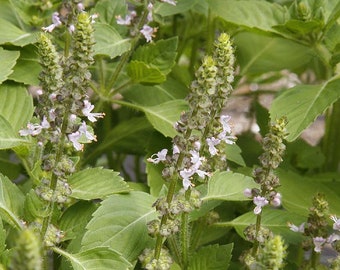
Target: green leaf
column 147, row 95
column 27, row 68
column 10, row 34
column 102, row 258
column 3, row 236
column 11, row 202
column 96, row 183
column 233, row 152
column 141, row 72
column 108, row 10
column 8, row 138
column 164, row 116
column 228, row 186
column 120, row 223
column 108, row 41
column 275, row 220
column 297, row 192
column 160, row 55
column 16, row 106
column 8, row 60
column 73, row 223
column 126, row 137
column 164, row 9
column 303, row 103
column 268, row 54
column 250, row 14
column 214, row 257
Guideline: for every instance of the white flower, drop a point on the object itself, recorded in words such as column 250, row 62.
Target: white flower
column 318, row 243
column 71, row 28
column 35, row 129
column 127, row 20
column 186, row 173
column 295, row 228
column 186, row 183
column 148, row 32
column 276, row 201
column 259, row 202
column 195, row 159
column 336, row 225
column 88, row 107
column 80, row 7
column 160, row 156
column 73, row 138
column 44, row 123
column 171, row 2
column 211, row 143
column 83, row 131
column 55, row 23
column 149, row 17
column 224, row 119
column 175, row 149
column 93, row 17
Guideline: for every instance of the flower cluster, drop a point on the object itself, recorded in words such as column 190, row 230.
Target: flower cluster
column 316, row 227
column 148, row 262
column 274, row 148
column 146, row 30
column 199, row 148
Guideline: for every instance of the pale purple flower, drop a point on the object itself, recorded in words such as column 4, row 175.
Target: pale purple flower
column 149, row 17
column 55, row 23
column 259, row 202
column 160, row 156
column 171, row 2
column 32, row 129
column 83, row 131
column 224, row 119
column 44, row 123
column 88, row 107
column 148, row 32
column 186, row 183
column 247, row 192
column 80, row 7
column 318, row 243
column 332, row 238
column 39, row 92
column 211, row 142
column 127, row 20
column 336, row 225
column 197, row 145
column 93, row 17
column 295, row 228
column 276, row 201
column 52, row 114
column 195, row 159
column 186, row 173
column 71, row 28
column 175, row 149
column 73, row 138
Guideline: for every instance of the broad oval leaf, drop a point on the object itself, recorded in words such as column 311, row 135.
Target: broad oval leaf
column 228, row 186
column 16, row 106
column 215, row 257
column 8, row 60
column 8, row 138
column 250, row 14
column 96, row 183
column 303, row 103
column 164, row 9
column 267, row 54
column 120, row 223
column 275, row 220
column 141, row 72
column 11, row 202
column 108, row 41
column 164, row 116
column 297, row 192
column 10, row 34
column 102, row 258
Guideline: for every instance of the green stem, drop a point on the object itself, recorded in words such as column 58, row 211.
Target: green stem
column 330, row 145
column 315, row 257
column 257, row 228
column 174, row 247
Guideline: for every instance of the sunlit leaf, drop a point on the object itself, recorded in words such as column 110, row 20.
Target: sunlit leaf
column 16, row 105
column 108, row 41
column 303, row 103
column 228, row 186
column 215, row 257
column 10, row 34
column 250, row 14
column 164, row 9
column 164, row 116
column 11, row 202
column 275, row 220
column 96, row 183
column 102, row 258
column 141, row 72
column 8, row 60
column 120, row 223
